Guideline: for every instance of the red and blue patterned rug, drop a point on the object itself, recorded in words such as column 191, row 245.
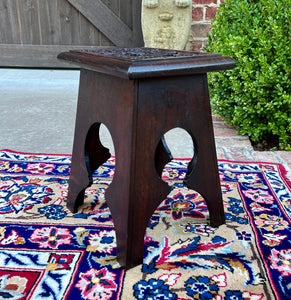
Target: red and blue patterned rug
column 46, row 252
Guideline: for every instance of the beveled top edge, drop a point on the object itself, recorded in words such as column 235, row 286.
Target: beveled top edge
column 126, row 64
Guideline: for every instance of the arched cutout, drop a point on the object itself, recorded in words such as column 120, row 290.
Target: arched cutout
column 183, row 201
column 106, row 138
column 176, row 143
column 96, row 153
column 180, row 143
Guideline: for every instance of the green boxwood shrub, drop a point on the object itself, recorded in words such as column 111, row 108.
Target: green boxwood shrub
column 255, row 96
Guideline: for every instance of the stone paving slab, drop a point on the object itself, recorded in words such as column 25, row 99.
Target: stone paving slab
column 237, row 147
column 232, row 142
column 249, row 154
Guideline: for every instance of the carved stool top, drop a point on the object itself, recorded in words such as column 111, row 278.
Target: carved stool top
column 136, row 63
column 138, row 54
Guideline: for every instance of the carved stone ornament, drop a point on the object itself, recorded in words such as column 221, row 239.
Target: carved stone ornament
column 166, row 24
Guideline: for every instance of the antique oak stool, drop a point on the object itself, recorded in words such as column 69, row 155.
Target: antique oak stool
column 140, row 94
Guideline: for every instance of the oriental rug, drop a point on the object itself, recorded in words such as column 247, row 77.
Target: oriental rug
column 46, row 252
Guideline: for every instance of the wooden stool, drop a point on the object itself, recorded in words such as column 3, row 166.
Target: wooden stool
column 140, row 94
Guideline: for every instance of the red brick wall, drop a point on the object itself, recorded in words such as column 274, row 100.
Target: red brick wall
column 203, row 11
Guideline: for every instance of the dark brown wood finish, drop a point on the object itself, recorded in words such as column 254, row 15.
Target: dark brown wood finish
column 140, row 94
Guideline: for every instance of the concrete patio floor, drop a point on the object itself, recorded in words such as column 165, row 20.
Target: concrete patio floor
column 38, row 109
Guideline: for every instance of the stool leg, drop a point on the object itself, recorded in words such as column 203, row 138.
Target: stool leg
column 131, row 218
column 133, row 196
column 203, row 176
column 85, row 160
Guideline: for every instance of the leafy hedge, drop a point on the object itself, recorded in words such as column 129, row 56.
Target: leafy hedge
column 255, row 96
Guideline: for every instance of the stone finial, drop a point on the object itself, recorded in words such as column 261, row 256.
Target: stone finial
column 166, row 24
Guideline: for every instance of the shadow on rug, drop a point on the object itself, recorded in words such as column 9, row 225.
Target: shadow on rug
column 46, row 252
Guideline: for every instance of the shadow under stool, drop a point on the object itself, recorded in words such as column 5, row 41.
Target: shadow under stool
column 140, row 94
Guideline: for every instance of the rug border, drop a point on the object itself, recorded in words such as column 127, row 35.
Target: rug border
column 34, row 153
column 284, row 173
